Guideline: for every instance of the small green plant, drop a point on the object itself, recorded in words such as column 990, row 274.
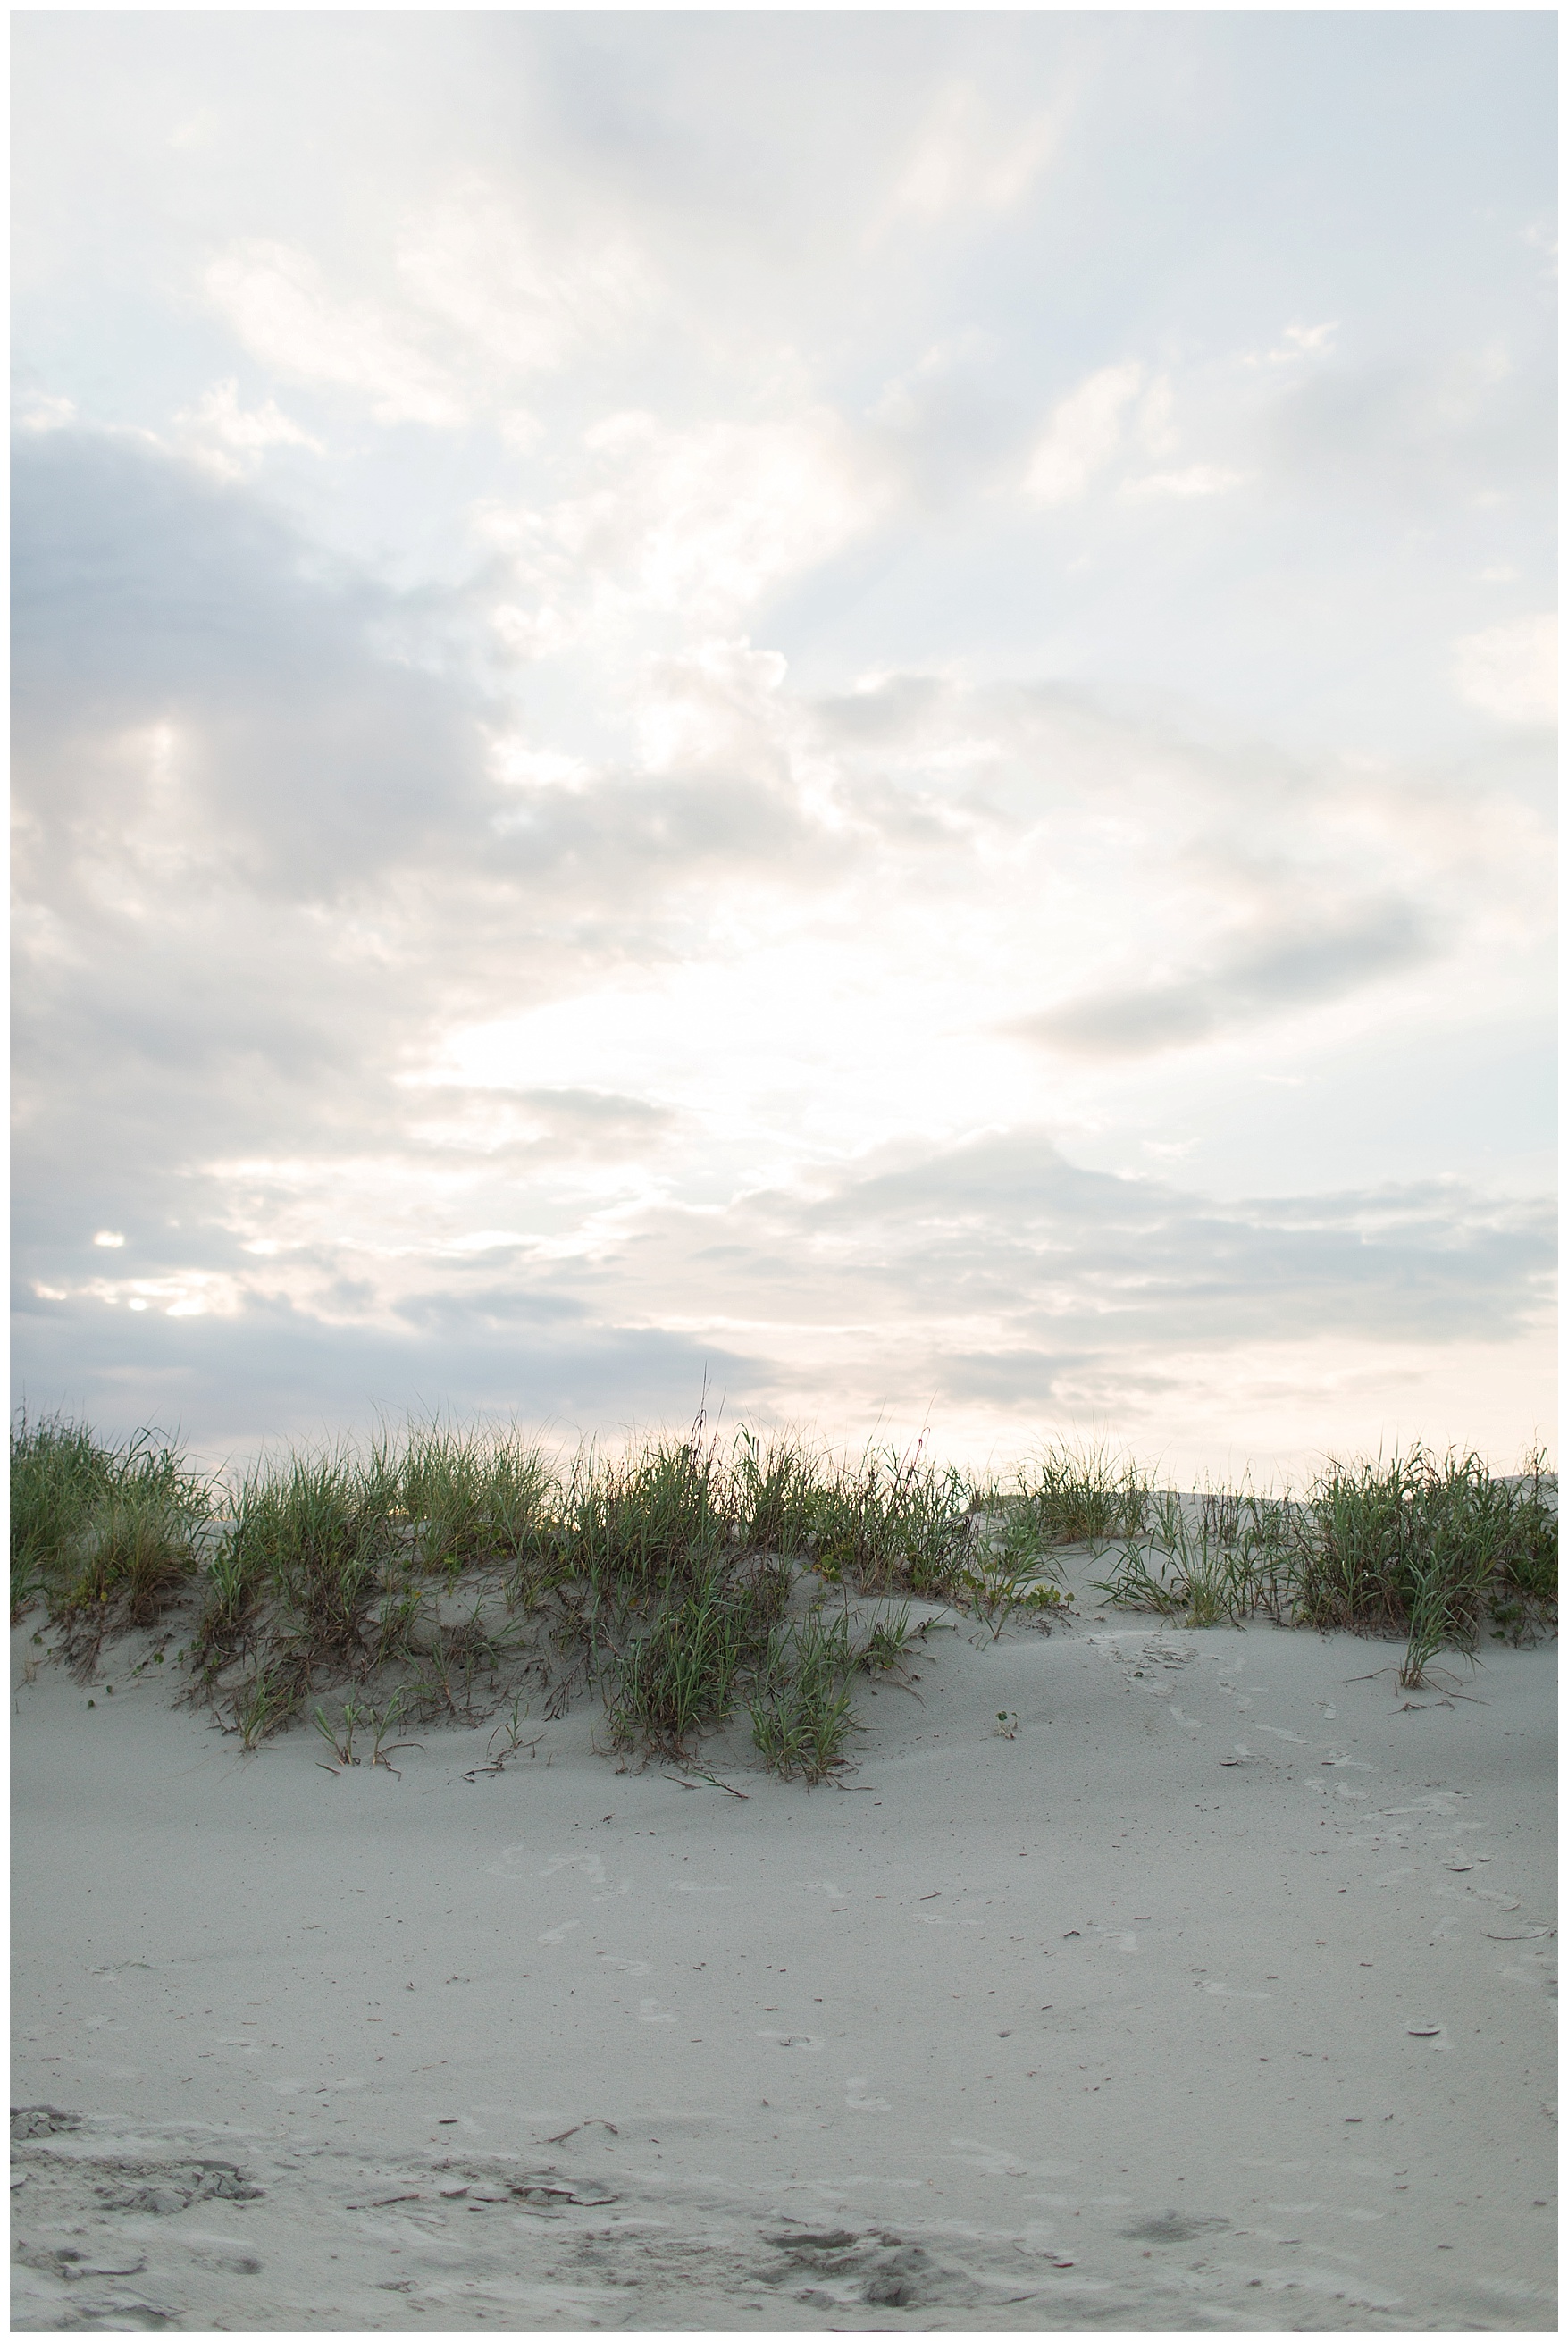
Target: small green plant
column 891, row 1520
column 467, row 1497
column 774, row 1495
column 314, row 1534
column 681, row 1676
column 360, row 1718
column 339, row 1736
column 1082, row 1495
column 1007, row 1567
column 796, row 1732
column 385, row 1720
column 506, row 1740
column 457, row 1669
column 802, row 1715
column 264, row 1703
column 232, row 1589
column 888, row 1641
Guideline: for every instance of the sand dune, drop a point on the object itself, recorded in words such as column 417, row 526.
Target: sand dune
column 1134, row 1978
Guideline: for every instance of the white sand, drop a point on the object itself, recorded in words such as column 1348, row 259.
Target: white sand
column 1083, row 2028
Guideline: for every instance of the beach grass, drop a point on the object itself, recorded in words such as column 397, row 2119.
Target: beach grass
column 101, row 1536
column 440, row 1571
column 1434, row 1548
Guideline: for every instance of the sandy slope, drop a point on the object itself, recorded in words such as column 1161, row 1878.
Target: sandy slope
column 1086, row 2026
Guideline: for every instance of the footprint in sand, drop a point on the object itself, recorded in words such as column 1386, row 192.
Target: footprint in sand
column 558, row 1935
column 650, row 2013
column 1172, row 2228
column 1001, row 2163
column 589, row 1865
column 856, row 2085
column 509, row 1863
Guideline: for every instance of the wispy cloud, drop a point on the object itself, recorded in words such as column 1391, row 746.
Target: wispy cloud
column 1192, row 480
column 1250, row 982
column 277, row 300
column 704, row 522
column 1085, row 433
column 966, row 158
column 231, row 440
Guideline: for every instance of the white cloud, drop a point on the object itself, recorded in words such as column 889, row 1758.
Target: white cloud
column 194, row 1294
column 44, row 410
column 963, row 159
column 479, row 298
column 1298, row 341
column 1083, row 437
column 1120, row 411
column 231, row 440
column 524, row 297
column 1195, row 480
column 278, row 303
column 705, row 521
column 1510, row 671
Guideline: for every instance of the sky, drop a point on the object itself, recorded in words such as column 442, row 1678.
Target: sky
column 853, row 711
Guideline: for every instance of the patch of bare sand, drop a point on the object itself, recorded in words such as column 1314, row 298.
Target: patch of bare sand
column 1134, row 1980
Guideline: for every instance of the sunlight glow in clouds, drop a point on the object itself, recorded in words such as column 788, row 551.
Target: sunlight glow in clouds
column 857, row 704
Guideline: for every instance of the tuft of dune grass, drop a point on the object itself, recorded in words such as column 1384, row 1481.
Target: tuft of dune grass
column 102, row 1536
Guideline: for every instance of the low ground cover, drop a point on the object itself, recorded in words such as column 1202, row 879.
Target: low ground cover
column 446, row 1572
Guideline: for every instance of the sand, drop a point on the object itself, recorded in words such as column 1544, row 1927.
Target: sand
column 1208, row 1990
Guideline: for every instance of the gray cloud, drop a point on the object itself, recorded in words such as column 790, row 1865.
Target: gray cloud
column 144, row 595
column 230, row 1385
column 1095, row 1264
column 994, row 1272
column 1400, row 433
column 1292, row 971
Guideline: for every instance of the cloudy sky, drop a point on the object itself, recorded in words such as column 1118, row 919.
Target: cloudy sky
column 860, row 703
